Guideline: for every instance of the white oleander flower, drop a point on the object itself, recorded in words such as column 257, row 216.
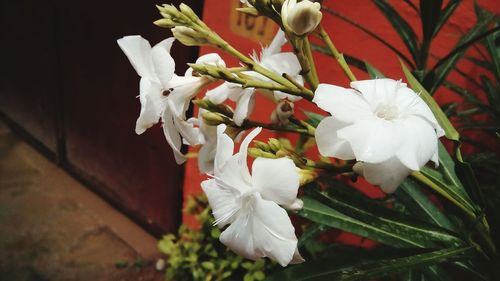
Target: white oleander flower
column 301, row 18
column 381, row 123
column 249, row 203
column 163, row 94
column 274, row 60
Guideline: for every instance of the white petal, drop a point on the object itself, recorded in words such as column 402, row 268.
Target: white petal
column 151, row 105
column 388, row 174
column 276, row 179
column 266, row 232
column 377, row 91
column 164, row 64
column 242, row 154
column 138, row 51
column 221, row 93
column 188, row 131
column 297, row 258
column 244, row 106
column 182, row 90
column 212, row 58
column 373, row 141
column 223, row 201
column 172, row 136
column 411, row 103
column 206, row 157
column 419, row 143
column 225, row 148
column 329, row 144
column 283, row 63
column 344, row 104
column 275, row 47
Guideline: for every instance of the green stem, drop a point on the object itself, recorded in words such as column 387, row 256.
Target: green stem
column 314, row 73
column 252, row 124
column 298, row 44
column 337, row 55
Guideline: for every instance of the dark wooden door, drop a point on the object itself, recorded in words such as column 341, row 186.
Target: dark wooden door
column 67, row 84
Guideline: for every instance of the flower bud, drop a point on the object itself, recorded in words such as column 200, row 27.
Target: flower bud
column 188, row 36
column 257, row 152
column 165, row 23
column 307, row 176
column 214, row 119
column 274, row 144
column 295, row 206
column 262, row 145
column 301, row 18
column 186, row 10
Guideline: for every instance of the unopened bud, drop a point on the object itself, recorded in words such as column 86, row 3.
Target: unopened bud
column 307, row 176
column 282, row 153
column 249, row 11
column 186, row 10
column 262, row 145
column 274, row 144
column 257, row 152
column 358, row 168
column 204, row 103
column 188, row 36
column 168, row 10
column 214, row 119
column 165, row 23
column 301, row 18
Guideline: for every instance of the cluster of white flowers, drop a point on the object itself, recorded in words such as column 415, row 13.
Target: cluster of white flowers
column 381, row 124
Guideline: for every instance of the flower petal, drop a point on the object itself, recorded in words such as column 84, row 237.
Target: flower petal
column 172, row 135
column 225, row 148
column 211, row 58
column 276, row 179
column 151, row 105
column 344, row 104
column 265, row 232
column 138, row 52
column 379, row 90
column 329, row 144
column 282, row 63
column 188, row 131
column 419, row 143
column 372, row 141
column 388, row 174
column 244, row 106
column 224, row 91
column 182, row 90
column 275, row 47
column 223, row 201
column 164, row 64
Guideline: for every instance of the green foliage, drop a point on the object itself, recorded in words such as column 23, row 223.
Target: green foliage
column 197, row 255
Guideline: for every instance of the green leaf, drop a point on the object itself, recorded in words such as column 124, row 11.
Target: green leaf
column 447, row 63
column 430, row 13
column 436, row 273
column 313, row 118
column 317, row 270
column 450, row 131
column 402, row 28
column 373, row 72
column 367, row 219
column 418, row 203
column 446, row 13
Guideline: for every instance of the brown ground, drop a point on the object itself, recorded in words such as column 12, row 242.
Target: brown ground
column 53, row 228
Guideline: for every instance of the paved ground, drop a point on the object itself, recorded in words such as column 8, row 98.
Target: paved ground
column 53, row 228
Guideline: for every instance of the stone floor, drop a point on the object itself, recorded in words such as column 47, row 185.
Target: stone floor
column 53, row 228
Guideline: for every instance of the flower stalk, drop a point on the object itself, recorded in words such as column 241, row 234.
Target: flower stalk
column 336, row 54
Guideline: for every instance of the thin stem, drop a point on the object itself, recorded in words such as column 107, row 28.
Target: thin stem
column 338, row 56
column 314, row 73
column 298, row 49
column 252, row 124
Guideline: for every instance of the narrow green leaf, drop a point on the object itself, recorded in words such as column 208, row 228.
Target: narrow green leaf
column 450, row 131
column 320, row 213
column 313, row 118
column 398, row 225
column 494, row 50
column 419, row 204
column 412, row 275
column 447, row 63
column 436, row 273
column 317, row 270
column 373, row 72
column 402, row 27
column 471, row 269
column 430, row 13
column 446, row 13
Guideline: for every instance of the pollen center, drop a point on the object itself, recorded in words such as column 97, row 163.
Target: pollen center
column 387, row 112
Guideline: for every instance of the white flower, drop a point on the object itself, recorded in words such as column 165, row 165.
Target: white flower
column 249, row 203
column 301, row 18
column 381, row 123
column 164, row 94
column 274, row 60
